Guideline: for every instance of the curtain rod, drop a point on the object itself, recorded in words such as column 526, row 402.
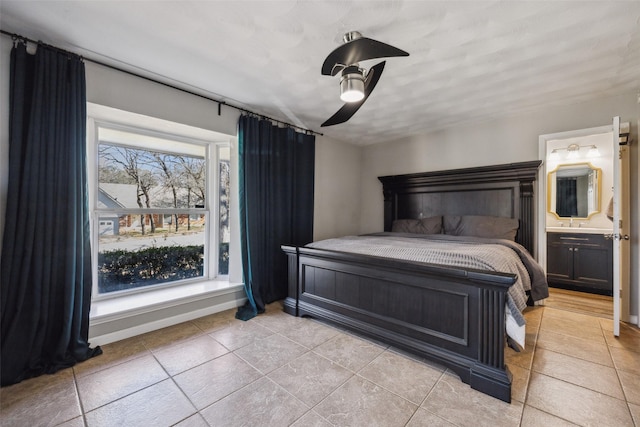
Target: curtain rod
column 18, row 37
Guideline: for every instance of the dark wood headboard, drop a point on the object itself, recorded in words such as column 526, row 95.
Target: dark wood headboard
column 501, row 190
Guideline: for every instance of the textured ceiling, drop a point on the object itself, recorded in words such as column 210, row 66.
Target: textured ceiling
column 469, row 61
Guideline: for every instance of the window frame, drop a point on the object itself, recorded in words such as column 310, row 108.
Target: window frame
column 212, row 144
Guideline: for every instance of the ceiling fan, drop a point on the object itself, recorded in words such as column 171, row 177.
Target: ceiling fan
column 356, row 84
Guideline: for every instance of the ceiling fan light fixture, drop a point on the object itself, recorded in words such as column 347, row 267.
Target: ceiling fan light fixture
column 356, row 84
column 351, row 85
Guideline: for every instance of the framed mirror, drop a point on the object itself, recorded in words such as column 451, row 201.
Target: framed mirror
column 574, row 190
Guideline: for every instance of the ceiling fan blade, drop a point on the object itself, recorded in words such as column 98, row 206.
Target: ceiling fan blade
column 358, row 50
column 350, row 108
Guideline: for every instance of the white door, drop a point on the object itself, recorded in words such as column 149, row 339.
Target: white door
column 620, row 227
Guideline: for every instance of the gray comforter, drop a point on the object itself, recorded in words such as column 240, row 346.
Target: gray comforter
column 457, row 251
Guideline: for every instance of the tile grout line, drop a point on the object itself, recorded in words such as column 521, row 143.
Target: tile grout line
column 431, row 390
column 311, row 350
column 178, row 386
column 533, row 355
column 603, row 331
column 615, row 368
column 531, row 371
column 82, row 412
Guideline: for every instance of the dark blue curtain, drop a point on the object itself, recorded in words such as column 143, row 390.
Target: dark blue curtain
column 566, row 197
column 46, row 267
column 276, row 174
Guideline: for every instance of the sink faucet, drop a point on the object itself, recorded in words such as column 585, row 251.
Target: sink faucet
column 571, row 222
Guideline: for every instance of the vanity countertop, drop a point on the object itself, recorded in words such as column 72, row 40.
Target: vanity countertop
column 585, row 230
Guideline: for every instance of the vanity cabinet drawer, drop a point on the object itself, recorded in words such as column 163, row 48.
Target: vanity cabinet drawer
column 580, row 261
column 578, row 239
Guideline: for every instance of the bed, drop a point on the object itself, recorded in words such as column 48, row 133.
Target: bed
column 453, row 315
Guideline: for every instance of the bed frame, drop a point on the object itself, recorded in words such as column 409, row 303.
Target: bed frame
column 452, row 316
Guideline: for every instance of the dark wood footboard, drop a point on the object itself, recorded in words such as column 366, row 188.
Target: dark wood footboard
column 452, row 316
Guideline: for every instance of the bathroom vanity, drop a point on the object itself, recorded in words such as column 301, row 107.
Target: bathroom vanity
column 578, row 257
column 580, row 260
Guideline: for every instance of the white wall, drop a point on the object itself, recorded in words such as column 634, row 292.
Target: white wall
column 112, row 88
column 507, row 140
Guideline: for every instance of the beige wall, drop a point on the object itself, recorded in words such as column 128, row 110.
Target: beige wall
column 337, row 189
column 511, row 139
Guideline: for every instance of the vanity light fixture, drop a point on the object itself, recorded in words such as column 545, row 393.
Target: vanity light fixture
column 573, row 151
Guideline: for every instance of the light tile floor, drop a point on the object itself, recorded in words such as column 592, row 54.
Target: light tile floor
column 278, row 370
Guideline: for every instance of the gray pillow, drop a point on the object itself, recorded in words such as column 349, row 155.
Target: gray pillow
column 431, row 225
column 481, row 226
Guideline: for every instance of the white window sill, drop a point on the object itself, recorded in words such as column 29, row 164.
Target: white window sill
column 127, row 305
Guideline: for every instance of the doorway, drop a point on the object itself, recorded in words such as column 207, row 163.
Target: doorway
column 575, row 250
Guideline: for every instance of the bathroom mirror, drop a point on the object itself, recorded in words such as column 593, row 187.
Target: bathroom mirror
column 573, row 190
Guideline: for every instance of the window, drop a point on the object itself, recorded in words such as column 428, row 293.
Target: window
column 160, row 206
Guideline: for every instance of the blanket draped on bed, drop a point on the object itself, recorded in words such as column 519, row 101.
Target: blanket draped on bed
column 466, row 252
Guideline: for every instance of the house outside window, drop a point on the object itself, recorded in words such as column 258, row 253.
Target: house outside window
column 161, row 208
